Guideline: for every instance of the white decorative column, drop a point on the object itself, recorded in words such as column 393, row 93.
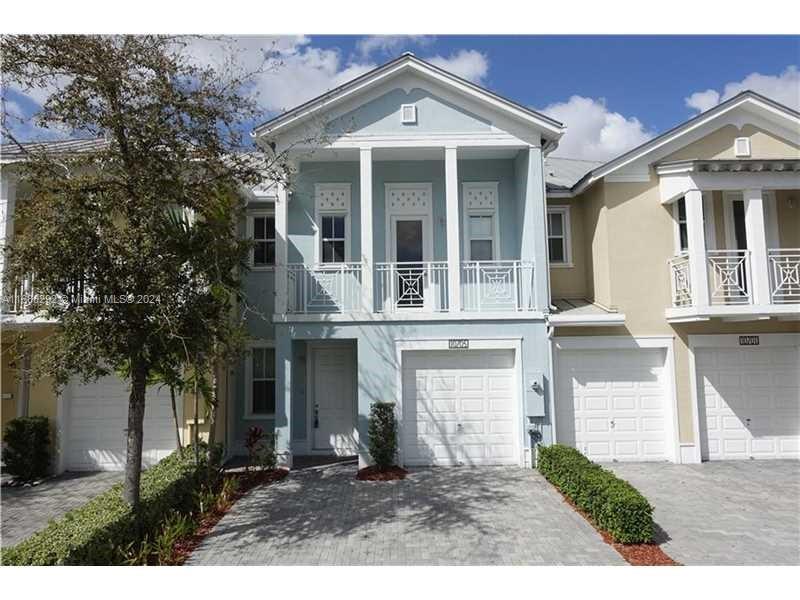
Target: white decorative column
column 453, row 228
column 281, row 249
column 697, row 247
column 8, row 197
column 367, row 258
column 757, row 244
column 533, row 231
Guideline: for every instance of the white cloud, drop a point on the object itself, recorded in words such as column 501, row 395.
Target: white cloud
column 593, row 131
column 391, row 44
column 783, row 88
column 469, row 64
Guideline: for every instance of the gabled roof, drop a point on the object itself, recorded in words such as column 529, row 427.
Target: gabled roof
column 407, row 62
column 10, row 152
column 745, row 97
column 562, row 173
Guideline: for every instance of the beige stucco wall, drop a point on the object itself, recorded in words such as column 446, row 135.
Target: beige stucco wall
column 719, row 145
column 630, row 237
column 570, row 281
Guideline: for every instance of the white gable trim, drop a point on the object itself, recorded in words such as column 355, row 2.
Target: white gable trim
column 407, row 63
column 764, row 113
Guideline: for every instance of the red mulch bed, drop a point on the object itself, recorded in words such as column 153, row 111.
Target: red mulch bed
column 638, row 555
column 375, row 474
column 247, row 481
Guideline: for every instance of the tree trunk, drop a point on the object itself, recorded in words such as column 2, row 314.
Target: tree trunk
column 175, row 418
column 133, row 460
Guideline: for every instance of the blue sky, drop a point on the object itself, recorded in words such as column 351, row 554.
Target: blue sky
column 612, row 92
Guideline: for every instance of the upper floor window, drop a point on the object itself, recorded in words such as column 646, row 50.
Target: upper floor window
column 558, row 236
column 262, row 231
column 480, row 221
column 332, row 216
column 683, row 231
column 333, row 238
column 261, row 396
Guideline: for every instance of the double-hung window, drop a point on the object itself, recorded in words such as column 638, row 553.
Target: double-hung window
column 263, row 233
column 558, row 236
column 334, row 238
column 261, row 397
column 481, row 236
column 683, row 229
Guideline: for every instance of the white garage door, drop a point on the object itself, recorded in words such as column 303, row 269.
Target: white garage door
column 612, row 404
column 750, row 398
column 460, row 407
column 98, row 418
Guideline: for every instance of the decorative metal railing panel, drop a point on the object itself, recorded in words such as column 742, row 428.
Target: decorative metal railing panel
column 326, row 288
column 730, row 276
column 497, row 286
column 412, row 286
column 784, row 266
column 681, row 280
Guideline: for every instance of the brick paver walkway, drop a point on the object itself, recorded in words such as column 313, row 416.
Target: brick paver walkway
column 26, row 510
column 724, row 513
column 445, row 516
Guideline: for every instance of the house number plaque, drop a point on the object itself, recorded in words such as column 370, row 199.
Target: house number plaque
column 458, row 344
column 748, row 340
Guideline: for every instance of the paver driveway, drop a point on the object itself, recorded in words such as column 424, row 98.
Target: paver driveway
column 724, row 513
column 439, row 516
column 26, row 510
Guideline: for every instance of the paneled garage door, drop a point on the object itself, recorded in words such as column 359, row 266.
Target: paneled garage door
column 749, row 402
column 460, row 407
column 97, row 420
column 612, row 404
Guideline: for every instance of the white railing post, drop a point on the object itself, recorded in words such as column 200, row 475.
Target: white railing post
column 757, row 244
column 281, row 249
column 697, row 247
column 453, row 228
column 367, row 260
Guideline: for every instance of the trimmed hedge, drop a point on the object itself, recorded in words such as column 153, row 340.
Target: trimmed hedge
column 27, row 448
column 383, row 434
column 98, row 532
column 613, row 505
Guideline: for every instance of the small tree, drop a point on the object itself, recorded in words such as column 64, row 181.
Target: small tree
column 26, row 454
column 383, row 434
column 100, row 223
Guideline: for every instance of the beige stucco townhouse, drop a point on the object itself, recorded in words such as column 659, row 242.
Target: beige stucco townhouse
column 675, row 277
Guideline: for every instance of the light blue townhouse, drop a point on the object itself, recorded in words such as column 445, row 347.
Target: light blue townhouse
column 405, row 261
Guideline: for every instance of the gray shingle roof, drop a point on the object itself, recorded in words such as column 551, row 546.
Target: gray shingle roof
column 561, row 174
column 13, row 151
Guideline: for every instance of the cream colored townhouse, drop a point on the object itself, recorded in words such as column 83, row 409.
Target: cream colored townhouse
column 675, row 284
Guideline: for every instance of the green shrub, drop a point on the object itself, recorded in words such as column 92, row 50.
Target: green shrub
column 27, row 452
column 104, row 531
column 383, row 434
column 613, row 505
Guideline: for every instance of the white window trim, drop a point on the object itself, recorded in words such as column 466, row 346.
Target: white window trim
column 426, row 215
column 563, row 210
column 481, row 212
column 318, row 214
column 251, row 216
column 677, row 227
column 249, row 415
column 709, row 223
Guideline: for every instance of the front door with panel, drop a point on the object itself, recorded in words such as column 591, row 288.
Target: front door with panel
column 334, row 400
column 409, row 252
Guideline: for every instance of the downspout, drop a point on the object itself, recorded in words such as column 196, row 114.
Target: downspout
column 551, row 388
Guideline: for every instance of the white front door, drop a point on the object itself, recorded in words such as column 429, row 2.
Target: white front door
column 460, row 407
column 612, row 404
column 749, row 402
column 334, row 400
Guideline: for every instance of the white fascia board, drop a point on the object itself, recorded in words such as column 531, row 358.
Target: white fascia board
column 751, row 312
column 772, row 119
column 465, row 89
column 674, row 185
column 611, row 320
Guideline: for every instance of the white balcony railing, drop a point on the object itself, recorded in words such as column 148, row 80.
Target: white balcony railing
column 19, row 297
column 784, row 266
column 327, row 288
column 412, row 286
column 680, row 280
column 497, row 286
column 730, row 274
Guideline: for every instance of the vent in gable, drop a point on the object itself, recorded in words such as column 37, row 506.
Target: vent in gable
column 741, row 147
column 408, row 114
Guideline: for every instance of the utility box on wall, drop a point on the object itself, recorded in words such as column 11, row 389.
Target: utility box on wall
column 534, row 395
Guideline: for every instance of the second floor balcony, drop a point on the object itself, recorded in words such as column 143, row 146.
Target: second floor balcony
column 406, row 289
